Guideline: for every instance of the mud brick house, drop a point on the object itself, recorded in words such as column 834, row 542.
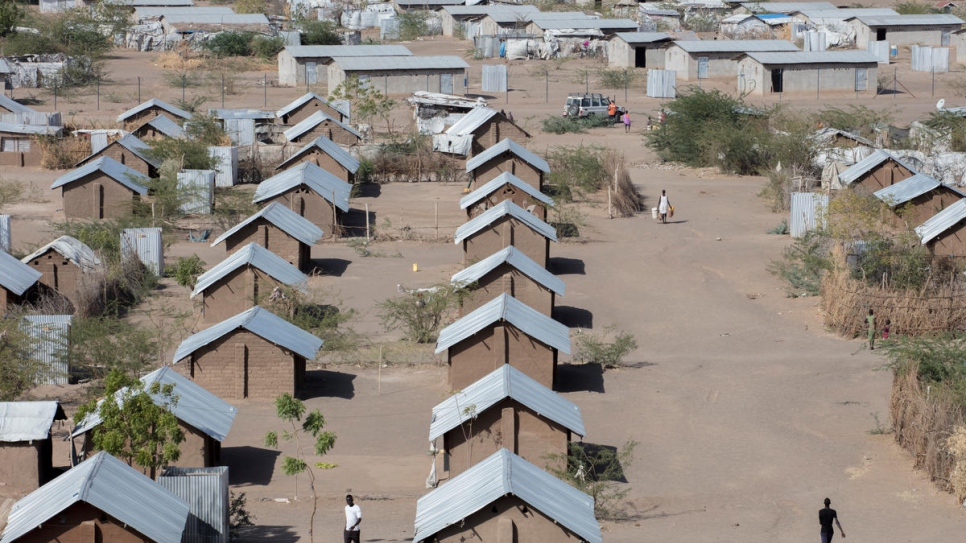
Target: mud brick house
column 18, row 145
column 917, row 198
column 876, row 171
column 508, row 271
column 509, row 411
column 477, row 131
column 325, row 154
column 151, row 109
column 248, row 277
column 159, row 127
column 503, row 331
column 932, row 29
column 204, row 418
column 254, row 354
column 101, row 189
column 62, row 263
column 945, row 233
column 16, row 278
column 507, row 156
column 506, row 186
column 278, row 229
column 101, row 499
column 311, row 192
column 305, row 106
column 26, row 451
column 307, row 64
column 506, row 499
column 320, row 124
column 501, row 226
column 131, row 152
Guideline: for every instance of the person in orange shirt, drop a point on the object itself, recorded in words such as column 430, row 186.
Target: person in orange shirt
column 612, row 111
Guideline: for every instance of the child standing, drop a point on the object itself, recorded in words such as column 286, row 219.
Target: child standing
column 626, row 118
column 885, row 329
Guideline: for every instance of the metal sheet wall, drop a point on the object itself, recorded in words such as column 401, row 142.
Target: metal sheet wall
column 807, row 209
column 661, row 83
column 929, row 59
column 494, row 78
column 49, row 345
column 5, row 233
column 813, row 41
column 880, row 49
column 145, row 244
column 196, row 191
column 226, row 171
column 206, row 491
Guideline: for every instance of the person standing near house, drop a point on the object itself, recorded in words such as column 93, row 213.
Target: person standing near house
column 885, row 329
column 825, row 518
column 612, row 111
column 870, row 319
column 663, row 205
column 353, row 517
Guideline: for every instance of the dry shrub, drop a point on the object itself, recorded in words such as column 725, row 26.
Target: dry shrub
column 181, row 60
column 62, row 153
column 414, row 162
column 626, row 200
column 923, row 426
column 956, row 445
column 846, row 302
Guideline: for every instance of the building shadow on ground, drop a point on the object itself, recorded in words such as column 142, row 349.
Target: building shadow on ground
column 330, row 384
column 573, row 317
column 602, row 462
column 559, row 265
column 354, row 223
column 249, row 465
column 333, row 267
column 579, row 378
column 260, row 533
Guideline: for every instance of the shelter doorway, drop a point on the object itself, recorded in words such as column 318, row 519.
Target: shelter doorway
column 880, row 34
column 640, row 57
column 777, row 80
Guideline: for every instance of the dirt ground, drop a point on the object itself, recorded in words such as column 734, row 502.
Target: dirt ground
column 747, row 412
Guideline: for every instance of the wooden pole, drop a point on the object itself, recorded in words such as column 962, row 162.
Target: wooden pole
column 367, row 223
column 436, row 217
column 379, row 380
column 610, row 213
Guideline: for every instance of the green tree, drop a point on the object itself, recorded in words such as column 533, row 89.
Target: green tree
column 137, row 423
column 367, row 102
column 10, row 16
column 302, row 427
column 10, row 192
column 230, row 44
column 104, row 345
column 319, row 33
column 189, row 154
column 419, row 313
column 599, row 472
column 19, row 372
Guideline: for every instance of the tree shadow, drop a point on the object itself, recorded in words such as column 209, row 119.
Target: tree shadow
column 249, row 466
column 366, row 190
column 258, row 534
column 330, row 384
column 559, row 265
column 573, row 317
column 333, row 267
column 602, row 461
column 579, row 378
column 354, row 223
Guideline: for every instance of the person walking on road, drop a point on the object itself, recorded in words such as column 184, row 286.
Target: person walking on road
column 663, row 205
column 626, row 119
column 353, row 517
column 871, row 320
column 825, row 518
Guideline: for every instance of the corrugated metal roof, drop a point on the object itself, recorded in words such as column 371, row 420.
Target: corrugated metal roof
column 301, row 101
column 16, row 276
column 737, row 18
column 506, row 308
column 325, row 184
column 312, row 121
column 195, row 406
column 507, row 145
column 70, row 248
column 163, row 3
column 328, row 147
column 865, row 165
column 815, row 57
column 784, row 7
column 498, row 211
column 942, row 221
column 845, row 13
column 329, row 51
column 124, row 175
column 648, row 10
column 260, row 322
column 289, row 221
column 545, row 23
column 907, row 189
column 941, row 19
column 643, row 37
column 31, row 129
column 505, row 382
column 145, row 12
column 154, row 102
column 735, row 46
column 259, row 257
column 504, row 473
column 217, row 18
column 111, row 486
column 227, row 113
column 133, row 144
column 165, row 126
column 505, row 178
column 471, row 121
column 458, row 11
column 389, row 64
column 510, row 255
column 28, row 421
column 13, row 106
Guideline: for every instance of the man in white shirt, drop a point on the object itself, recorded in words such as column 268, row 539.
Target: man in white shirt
column 353, row 517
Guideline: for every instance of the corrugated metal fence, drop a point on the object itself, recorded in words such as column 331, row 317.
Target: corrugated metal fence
column 661, row 84
column 880, row 49
column 928, row 59
column 807, row 210
column 389, row 29
column 494, row 78
column 49, row 346
column 5, row 233
column 206, row 491
column 196, row 191
column 226, row 171
column 813, row 41
column 146, row 245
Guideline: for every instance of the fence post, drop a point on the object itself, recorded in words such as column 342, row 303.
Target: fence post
column 625, row 85
column 222, row 91
column 586, row 82
column 139, row 89
column 265, row 88
column 55, row 94
column 546, row 78
column 99, row 91
column 184, row 82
